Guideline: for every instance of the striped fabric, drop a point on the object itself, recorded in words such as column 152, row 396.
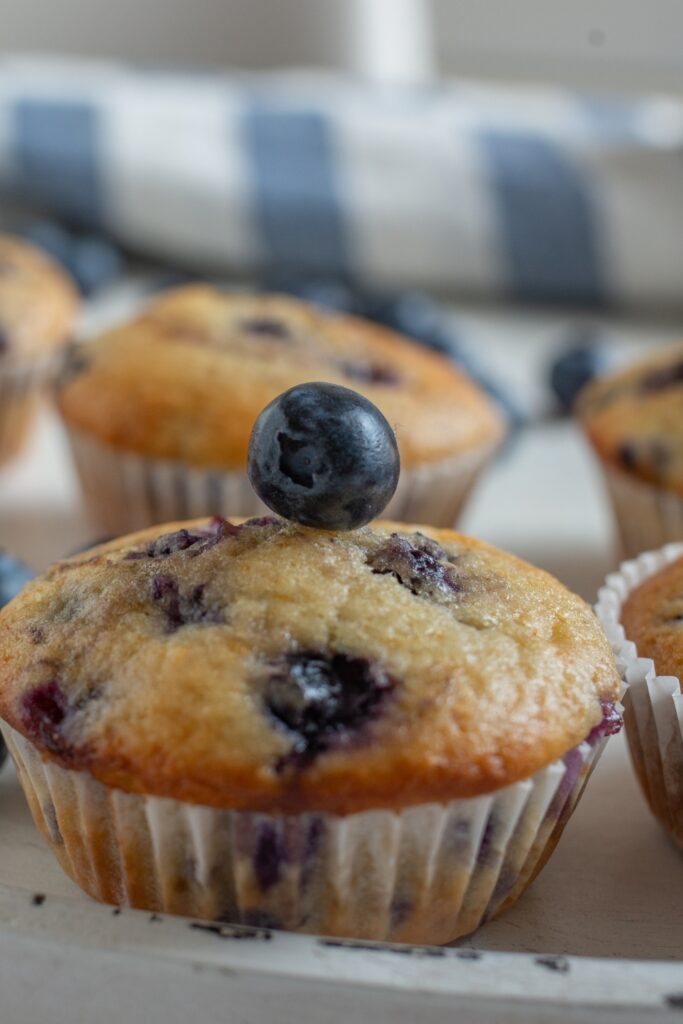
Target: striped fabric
column 536, row 196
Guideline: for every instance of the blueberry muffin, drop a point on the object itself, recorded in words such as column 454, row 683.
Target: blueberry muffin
column 652, row 619
column 634, row 421
column 37, row 311
column 378, row 733
column 160, row 410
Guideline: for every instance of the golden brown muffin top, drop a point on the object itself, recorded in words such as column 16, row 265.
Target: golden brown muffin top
column 652, row 617
column 37, row 301
column 187, row 378
column 267, row 666
column 634, row 418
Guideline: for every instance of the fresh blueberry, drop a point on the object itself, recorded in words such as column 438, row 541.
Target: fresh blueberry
column 52, row 238
column 321, row 698
column 94, row 263
column 328, row 293
column 324, row 456
column 575, row 367
column 13, row 576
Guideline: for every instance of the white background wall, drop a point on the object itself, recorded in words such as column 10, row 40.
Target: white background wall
column 614, row 44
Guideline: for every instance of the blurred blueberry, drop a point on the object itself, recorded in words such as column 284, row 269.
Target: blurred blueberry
column 326, row 292
column 575, row 366
column 50, row 236
column 95, row 262
column 13, row 575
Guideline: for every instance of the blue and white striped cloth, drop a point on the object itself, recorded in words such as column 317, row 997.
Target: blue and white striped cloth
column 536, row 196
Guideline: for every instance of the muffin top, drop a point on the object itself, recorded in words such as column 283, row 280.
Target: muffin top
column 37, row 301
column 187, row 379
column 652, row 617
column 634, row 418
column 267, row 666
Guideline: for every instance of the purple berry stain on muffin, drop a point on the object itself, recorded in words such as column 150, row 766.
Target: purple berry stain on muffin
column 182, row 609
column 43, row 710
column 610, row 723
column 371, row 373
column 269, row 856
column 266, row 327
column 662, row 378
column 419, row 564
column 197, row 543
column 323, row 700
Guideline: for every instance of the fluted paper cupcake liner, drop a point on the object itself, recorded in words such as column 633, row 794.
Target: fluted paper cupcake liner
column 427, row 874
column 20, row 390
column 126, row 492
column 647, row 516
column 653, row 704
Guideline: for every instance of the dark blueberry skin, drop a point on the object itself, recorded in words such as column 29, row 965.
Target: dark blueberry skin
column 371, row 373
column 266, row 327
column 321, row 699
column 662, row 378
column 574, row 368
column 43, row 710
column 419, row 564
column 181, row 609
column 182, row 540
column 324, row 456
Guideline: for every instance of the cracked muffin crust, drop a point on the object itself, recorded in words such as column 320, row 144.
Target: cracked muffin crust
column 634, row 418
column 187, row 378
column 267, row 666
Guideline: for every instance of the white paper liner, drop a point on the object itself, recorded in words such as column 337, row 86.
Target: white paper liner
column 647, row 516
column 653, row 703
column 20, row 389
column 427, row 874
column 125, row 492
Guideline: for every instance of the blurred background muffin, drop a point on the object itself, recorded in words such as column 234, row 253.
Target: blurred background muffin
column 159, row 410
column 634, row 421
column 37, row 312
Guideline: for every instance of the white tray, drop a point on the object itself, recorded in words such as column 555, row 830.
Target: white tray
column 609, row 904
column 598, row 937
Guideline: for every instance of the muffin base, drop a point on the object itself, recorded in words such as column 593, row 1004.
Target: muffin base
column 653, row 704
column 647, row 516
column 427, row 874
column 20, row 391
column 125, row 492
